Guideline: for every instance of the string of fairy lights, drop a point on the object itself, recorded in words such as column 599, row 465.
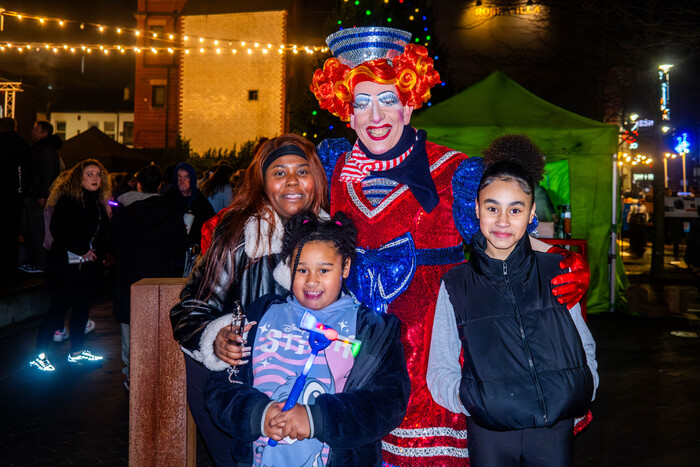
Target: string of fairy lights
column 167, row 43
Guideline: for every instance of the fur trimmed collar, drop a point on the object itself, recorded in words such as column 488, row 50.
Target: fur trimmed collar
column 255, row 249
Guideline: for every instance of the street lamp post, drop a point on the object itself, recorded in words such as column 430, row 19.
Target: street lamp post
column 657, row 250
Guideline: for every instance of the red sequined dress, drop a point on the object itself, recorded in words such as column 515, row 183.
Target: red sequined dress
column 415, row 248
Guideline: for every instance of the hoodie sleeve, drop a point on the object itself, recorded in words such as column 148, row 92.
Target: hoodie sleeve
column 444, row 373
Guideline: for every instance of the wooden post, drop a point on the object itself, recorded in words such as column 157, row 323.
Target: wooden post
column 161, row 429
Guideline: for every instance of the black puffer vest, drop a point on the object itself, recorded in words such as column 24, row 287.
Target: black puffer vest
column 524, row 363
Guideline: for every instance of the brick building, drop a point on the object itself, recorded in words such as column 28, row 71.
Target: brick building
column 157, row 83
column 218, row 99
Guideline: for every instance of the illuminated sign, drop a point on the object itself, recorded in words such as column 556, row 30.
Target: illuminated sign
column 645, row 123
column 485, row 11
column 682, row 144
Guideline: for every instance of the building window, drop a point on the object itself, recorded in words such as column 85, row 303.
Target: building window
column 128, row 136
column 61, row 130
column 253, row 95
column 158, row 97
column 93, row 124
column 159, row 31
column 109, row 129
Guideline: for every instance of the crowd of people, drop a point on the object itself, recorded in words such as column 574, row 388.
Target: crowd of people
column 75, row 221
column 348, row 261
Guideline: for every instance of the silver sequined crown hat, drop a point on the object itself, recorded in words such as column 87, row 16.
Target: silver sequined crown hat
column 354, row 46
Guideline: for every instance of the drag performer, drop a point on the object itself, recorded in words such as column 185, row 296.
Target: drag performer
column 413, row 203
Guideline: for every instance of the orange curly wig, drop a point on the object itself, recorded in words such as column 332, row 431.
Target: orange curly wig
column 412, row 72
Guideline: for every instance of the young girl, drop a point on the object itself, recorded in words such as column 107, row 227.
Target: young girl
column 529, row 363
column 351, row 398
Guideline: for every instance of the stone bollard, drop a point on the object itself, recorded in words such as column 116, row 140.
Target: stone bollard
column 161, row 429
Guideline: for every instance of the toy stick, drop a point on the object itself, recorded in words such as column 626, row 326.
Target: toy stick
column 320, row 337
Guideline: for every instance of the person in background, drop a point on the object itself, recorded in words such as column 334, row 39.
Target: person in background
column 45, row 164
column 529, row 362
column 190, row 201
column 79, row 225
column 147, row 237
column 14, row 159
column 217, row 188
column 122, row 182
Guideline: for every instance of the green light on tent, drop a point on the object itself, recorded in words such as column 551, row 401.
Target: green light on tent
column 340, row 22
column 417, row 39
column 368, row 12
column 313, row 113
column 427, row 38
column 388, row 20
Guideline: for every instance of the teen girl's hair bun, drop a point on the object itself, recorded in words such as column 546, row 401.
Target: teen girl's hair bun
column 517, row 149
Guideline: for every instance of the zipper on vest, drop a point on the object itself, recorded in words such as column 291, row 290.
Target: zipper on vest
column 526, row 346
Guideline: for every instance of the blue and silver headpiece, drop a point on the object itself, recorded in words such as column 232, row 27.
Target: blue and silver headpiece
column 354, row 46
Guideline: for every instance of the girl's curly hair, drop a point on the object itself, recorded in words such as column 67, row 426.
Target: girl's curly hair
column 70, row 183
column 513, row 157
column 304, row 228
column 412, row 72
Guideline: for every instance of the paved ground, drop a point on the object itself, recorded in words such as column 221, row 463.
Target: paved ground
column 647, row 411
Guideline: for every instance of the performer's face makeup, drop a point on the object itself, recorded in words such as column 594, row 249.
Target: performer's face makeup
column 319, row 275
column 378, row 116
column 504, row 211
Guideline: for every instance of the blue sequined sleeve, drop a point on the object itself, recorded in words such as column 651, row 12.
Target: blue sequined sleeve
column 329, row 150
column 465, row 183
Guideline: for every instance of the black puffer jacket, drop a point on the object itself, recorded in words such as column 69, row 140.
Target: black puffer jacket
column 196, row 322
column 524, row 363
column 353, row 422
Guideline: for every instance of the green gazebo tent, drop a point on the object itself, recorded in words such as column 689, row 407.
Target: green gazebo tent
column 579, row 159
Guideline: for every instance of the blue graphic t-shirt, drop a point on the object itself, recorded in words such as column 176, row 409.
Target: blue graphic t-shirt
column 280, row 352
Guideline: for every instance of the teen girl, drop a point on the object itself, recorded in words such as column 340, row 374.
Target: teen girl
column 529, row 363
column 351, row 399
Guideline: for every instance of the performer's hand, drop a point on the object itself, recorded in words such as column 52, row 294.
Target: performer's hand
column 295, row 422
column 276, row 431
column 570, row 287
column 229, row 346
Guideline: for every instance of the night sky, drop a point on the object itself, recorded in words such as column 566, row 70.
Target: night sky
column 53, row 71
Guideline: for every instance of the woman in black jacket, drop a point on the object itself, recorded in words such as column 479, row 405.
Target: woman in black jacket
column 286, row 177
column 78, row 225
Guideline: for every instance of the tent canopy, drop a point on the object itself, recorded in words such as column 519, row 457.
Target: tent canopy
column 470, row 120
column 94, row 144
